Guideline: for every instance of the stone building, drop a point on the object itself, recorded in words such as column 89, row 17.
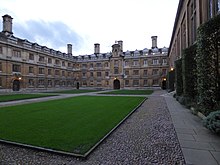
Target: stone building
column 190, row 15
column 27, row 65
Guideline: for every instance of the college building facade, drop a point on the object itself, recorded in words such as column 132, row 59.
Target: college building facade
column 27, row 65
column 190, row 15
column 194, row 54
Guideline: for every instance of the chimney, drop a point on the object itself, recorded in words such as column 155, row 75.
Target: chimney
column 121, row 45
column 69, row 48
column 97, row 48
column 154, row 41
column 7, row 24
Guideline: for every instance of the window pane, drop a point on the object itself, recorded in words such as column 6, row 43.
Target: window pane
column 1, row 50
column 16, row 68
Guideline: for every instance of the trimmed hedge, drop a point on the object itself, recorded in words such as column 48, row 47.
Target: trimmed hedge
column 171, row 80
column 208, row 43
column 178, row 77
column 189, row 73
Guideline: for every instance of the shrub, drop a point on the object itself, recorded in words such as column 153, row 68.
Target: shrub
column 182, row 100
column 212, row 121
column 178, row 77
column 208, row 82
column 188, row 102
column 171, row 80
column 189, row 73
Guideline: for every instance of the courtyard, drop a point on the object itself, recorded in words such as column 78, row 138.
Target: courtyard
column 159, row 131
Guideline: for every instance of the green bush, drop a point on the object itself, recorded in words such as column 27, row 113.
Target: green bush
column 208, row 85
column 189, row 73
column 212, row 121
column 171, row 80
column 181, row 100
column 178, row 77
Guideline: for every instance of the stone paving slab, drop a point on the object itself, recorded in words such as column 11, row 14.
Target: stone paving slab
column 216, row 156
column 207, row 138
column 203, row 131
column 216, row 146
column 196, row 145
column 185, row 137
column 185, row 131
column 198, row 157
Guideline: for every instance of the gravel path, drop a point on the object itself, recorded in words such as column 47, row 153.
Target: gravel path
column 147, row 137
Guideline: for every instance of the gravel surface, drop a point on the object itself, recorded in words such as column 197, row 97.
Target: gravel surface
column 146, row 137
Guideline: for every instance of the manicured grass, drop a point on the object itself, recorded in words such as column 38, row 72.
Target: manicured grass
column 130, row 92
column 72, row 125
column 75, row 91
column 13, row 97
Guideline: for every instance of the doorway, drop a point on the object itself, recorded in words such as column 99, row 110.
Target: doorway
column 16, row 85
column 77, row 85
column 164, row 84
column 116, row 84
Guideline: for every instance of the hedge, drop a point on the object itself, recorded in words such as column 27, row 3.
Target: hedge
column 208, row 43
column 189, row 73
column 171, row 80
column 178, row 77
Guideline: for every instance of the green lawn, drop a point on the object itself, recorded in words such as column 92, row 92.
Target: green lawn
column 130, row 92
column 13, row 97
column 75, row 91
column 72, row 125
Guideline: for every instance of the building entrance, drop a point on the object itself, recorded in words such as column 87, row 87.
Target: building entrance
column 164, row 84
column 77, row 85
column 116, row 84
column 16, row 85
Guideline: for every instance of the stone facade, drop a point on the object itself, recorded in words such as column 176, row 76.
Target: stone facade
column 26, row 65
column 190, row 15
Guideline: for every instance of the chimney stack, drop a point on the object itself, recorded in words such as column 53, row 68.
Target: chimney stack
column 154, row 41
column 97, row 48
column 7, row 24
column 69, row 49
column 121, row 45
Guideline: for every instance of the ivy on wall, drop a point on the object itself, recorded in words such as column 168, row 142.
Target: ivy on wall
column 207, row 60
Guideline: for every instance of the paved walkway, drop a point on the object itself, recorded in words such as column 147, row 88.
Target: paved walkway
column 199, row 145
column 40, row 99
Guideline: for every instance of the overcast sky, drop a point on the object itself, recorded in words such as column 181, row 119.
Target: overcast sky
column 55, row 23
